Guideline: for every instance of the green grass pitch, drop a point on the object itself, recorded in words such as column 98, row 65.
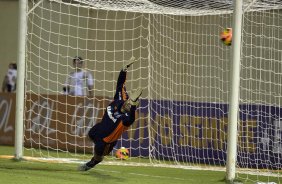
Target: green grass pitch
column 34, row 172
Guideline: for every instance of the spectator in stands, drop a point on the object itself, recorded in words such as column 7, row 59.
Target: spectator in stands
column 10, row 79
column 78, row 80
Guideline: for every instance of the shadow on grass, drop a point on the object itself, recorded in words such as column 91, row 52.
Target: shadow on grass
column 235, row 181
column 99, row 175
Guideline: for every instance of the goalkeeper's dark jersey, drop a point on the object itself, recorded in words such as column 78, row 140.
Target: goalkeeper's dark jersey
column 114, row 123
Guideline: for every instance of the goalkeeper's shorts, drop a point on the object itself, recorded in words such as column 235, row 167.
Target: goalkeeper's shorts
column 101, row 147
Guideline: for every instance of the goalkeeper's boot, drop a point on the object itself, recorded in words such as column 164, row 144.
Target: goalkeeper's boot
column 84, row 167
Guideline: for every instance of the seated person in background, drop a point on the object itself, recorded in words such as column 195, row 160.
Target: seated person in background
column 10, row 79
column 78, row 79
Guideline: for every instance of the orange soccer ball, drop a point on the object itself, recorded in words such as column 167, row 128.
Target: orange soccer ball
column 226, row 36
column 122, row 153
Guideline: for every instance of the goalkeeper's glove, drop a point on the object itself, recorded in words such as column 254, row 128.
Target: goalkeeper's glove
column 134, row 97
column 129, row 63
column 134, row 103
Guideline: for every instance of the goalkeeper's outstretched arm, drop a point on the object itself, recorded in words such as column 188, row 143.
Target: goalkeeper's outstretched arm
column 121, row 93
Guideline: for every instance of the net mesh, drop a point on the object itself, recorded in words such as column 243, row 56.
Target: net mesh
column 182, row 66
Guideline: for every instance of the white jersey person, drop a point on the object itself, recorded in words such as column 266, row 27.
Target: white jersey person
column 10, row 79
column 78, row 80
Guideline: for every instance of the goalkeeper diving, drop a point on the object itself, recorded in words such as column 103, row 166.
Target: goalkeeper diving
column 118, row 117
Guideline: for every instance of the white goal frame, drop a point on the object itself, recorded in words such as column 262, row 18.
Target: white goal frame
column 233, row 99
column 19, row 125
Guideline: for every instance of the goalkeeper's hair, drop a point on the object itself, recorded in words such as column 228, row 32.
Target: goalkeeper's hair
column 77, row 58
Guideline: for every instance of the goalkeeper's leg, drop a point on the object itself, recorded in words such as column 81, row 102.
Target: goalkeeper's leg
column 96, row 159
column 100, row 150
column 89, row 165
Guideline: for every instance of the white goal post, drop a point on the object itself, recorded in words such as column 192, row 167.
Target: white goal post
column 205, row 105
column 20, row 79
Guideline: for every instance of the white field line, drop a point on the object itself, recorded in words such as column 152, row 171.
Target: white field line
column 79, row 161
column 145, row 175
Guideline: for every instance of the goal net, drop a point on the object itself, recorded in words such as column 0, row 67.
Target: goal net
column 183, row 67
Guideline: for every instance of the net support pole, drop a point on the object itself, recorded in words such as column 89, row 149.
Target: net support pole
column 234, row 95
column 149, row 87
column 22, row 30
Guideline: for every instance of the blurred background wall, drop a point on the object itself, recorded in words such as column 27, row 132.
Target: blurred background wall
column 187, row 60
column 8, row 34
